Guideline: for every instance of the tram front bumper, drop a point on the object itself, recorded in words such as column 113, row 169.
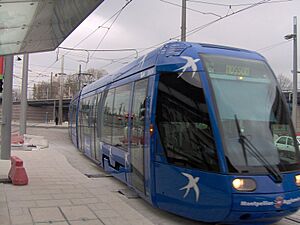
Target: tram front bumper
column 247, row 218
column 263, row 207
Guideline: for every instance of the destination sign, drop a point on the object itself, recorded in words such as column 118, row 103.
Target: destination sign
column 224, row 67
column 237, row 70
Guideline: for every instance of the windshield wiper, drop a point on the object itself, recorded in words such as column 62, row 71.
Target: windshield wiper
column 241, row 138
column 247, row 145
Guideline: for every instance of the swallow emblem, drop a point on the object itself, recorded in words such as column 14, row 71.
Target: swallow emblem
column 142, row 61
column 192, row 184
column 190, row 63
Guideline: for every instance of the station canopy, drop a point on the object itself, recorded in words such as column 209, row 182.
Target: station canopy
column 40, row 25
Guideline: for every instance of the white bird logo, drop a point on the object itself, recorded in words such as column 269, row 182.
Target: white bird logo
column 142, row 61
column 191, row 184
column 191, row 63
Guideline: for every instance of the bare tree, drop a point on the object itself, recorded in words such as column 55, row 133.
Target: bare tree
column 41, row 90
column 71, row 82
column 284, row 82
column 97, row 74
column 91, row 75
column 71, row 85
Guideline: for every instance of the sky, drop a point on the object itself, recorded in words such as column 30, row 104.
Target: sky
column 145, row 23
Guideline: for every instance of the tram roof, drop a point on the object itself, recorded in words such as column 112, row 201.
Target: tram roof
column 168, row 54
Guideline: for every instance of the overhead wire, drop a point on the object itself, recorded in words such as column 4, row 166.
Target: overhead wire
column 233, row 5
column 110, row 26
column 197, row 29
column 90, row 34
column 194, row 10
column 100, row 50
column 269, row 47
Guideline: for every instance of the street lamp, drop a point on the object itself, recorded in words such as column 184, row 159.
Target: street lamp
column 290, row 36
column 295, row 95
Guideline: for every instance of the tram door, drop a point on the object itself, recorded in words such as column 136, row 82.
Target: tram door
column 138, row 134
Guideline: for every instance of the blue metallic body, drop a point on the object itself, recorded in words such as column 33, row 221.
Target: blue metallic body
column 217, row 200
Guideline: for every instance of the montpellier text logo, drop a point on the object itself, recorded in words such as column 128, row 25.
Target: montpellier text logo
column 277, row 203
column 192, row 184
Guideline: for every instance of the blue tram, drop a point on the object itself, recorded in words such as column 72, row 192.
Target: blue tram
column 193, row 129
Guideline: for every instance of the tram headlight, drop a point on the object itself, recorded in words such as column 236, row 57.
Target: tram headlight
column 297, row 180
column 242, row 184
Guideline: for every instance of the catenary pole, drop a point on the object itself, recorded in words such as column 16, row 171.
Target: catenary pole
column 7, row 108
column 60, row 105
column 294, row 103
column 183, row 21
column 79, row 78
column 51, row 88
column 23, row 114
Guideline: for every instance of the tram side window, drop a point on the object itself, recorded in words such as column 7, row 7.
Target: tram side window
column 98, row 115
column 106, row 128
column 138, row 114
column 120, row 116
column 85, row 115
column 81, row 115
column 183, row 122
column 92, row 103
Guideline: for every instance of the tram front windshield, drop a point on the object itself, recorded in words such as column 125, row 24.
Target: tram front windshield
column 254, row 119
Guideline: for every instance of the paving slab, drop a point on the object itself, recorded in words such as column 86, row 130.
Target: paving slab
column 78, row 213
column 86, row 222
column 49, row 214
column 24, row 218
column 4, row 214
column 52, row 223
column 53, row 202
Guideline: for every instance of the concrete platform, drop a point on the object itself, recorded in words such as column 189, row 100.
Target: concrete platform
column 60, row 194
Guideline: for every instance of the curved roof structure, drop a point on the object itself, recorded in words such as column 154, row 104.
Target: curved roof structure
column 28, row 26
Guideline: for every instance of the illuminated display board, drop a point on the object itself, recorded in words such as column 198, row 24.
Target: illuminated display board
column 229, row 66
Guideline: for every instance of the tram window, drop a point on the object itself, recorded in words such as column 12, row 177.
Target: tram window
column 120, row 117
column 85, row 112
column 183, row 122
column 106, row 128
column 98, row 114
column 92, row 103
column 138, row 112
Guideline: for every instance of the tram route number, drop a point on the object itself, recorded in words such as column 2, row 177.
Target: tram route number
column 237, row 70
